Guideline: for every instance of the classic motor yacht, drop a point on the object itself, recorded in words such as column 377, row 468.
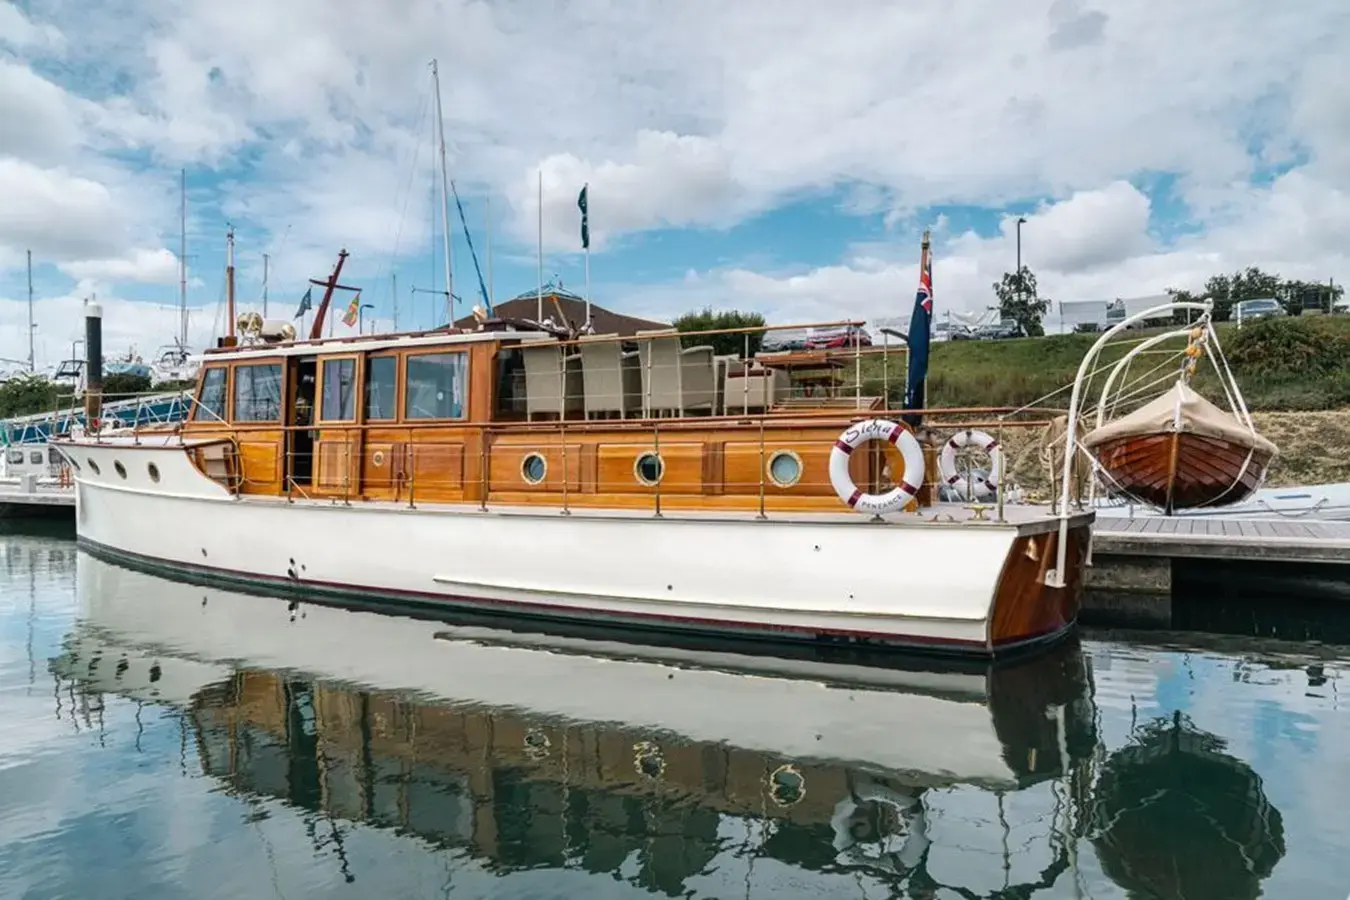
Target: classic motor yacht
column 642, row 479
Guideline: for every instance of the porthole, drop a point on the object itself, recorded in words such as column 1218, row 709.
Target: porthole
column 787, row 785
column 93, row 466
column 785, row 468
column 648, row 760
column 154, row 472
column 536, row 744
column 533, row 468
column 649, row 468
column 120, row 469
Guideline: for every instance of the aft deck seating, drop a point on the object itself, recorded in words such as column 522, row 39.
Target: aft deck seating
column 676, row 380
column 613, row 378
column 547, row 390
column 753, row 386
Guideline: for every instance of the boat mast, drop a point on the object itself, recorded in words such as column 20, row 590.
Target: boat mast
column 539, row 292
column 445, row 201
column 32, row 364
column 264, row 285
column 182, row 267
column 487, row 215
column 229, row 283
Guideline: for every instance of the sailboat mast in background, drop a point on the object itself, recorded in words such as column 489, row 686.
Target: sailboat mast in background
column 182, row 267
column 32, row 326
column 445, row 201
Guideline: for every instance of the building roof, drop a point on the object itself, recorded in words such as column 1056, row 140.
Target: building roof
column 604, row 321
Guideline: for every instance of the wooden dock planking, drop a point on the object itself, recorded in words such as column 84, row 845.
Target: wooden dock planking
column 1262, row 540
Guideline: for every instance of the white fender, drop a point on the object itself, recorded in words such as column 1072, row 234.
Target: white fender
column 947, row 462
column 877, row 430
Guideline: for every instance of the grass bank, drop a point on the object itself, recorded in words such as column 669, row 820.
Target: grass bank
column 1295, row 364
column 1294, row 374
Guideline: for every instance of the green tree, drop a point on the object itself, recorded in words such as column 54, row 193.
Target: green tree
column 727, row 319
column 124, row 386
column 1019, row 301
column 1295, row 295
column 27, row 394
column 1246, row 284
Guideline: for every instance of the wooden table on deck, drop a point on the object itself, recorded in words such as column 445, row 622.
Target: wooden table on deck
column 815, row 369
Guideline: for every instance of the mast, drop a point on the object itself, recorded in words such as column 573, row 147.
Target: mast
column 393, row 279
column 32, row 364
column 182, row 267
column 445, row 201
column 264, row 285
column 488, row 224
column 316, row 330
column 229, row 283
column 539, row 295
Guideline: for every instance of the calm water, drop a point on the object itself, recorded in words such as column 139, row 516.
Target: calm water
column 171, row 740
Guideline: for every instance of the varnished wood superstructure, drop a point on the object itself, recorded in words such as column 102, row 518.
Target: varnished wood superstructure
column 355, row 448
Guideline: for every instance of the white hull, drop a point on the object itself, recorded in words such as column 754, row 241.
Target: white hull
column 910, row 582
column 956, row 729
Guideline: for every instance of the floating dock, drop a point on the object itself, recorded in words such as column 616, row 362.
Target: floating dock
column 1142, row 565
column 29, row 499
column 1271, row 539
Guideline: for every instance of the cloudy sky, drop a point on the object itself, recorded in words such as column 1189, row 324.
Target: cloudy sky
column 779, row 156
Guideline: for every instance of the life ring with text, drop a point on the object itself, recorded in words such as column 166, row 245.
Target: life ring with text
column 877, row 430
column 947, row 462
column 909, row 810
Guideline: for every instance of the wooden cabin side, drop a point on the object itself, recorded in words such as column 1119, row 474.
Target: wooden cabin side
column 446, row 423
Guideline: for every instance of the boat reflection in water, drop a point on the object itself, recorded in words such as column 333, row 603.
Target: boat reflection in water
column 652, row 765
column 1176, row 816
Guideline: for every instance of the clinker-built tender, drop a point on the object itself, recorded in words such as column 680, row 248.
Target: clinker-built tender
column 646, row 480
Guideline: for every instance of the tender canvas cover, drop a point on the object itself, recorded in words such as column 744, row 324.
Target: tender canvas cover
column 1180, row 409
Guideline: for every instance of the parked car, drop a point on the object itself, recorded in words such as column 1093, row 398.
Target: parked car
column 998, row 331
column 951, row 331
column 836, row 338
column 784, row 340
column 1264, row 308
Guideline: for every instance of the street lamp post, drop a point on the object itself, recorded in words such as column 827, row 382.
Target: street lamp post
column 1020, row 222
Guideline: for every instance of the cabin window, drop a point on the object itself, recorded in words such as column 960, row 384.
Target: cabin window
column 35, row 457
column 339, row 390
column 510, row 382
column 211, row 400
column 381, row 388
column 16, row 457
column 257, row 392
column 434, row 386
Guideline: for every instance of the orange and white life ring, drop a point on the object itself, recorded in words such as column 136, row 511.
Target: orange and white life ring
column 877, row 430
column 947, row 462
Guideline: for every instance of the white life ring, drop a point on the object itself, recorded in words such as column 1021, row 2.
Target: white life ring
column 947, row 462
column 909, row 809
column 877, row 430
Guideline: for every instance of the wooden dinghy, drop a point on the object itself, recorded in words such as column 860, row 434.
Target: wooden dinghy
column 1180, row 451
